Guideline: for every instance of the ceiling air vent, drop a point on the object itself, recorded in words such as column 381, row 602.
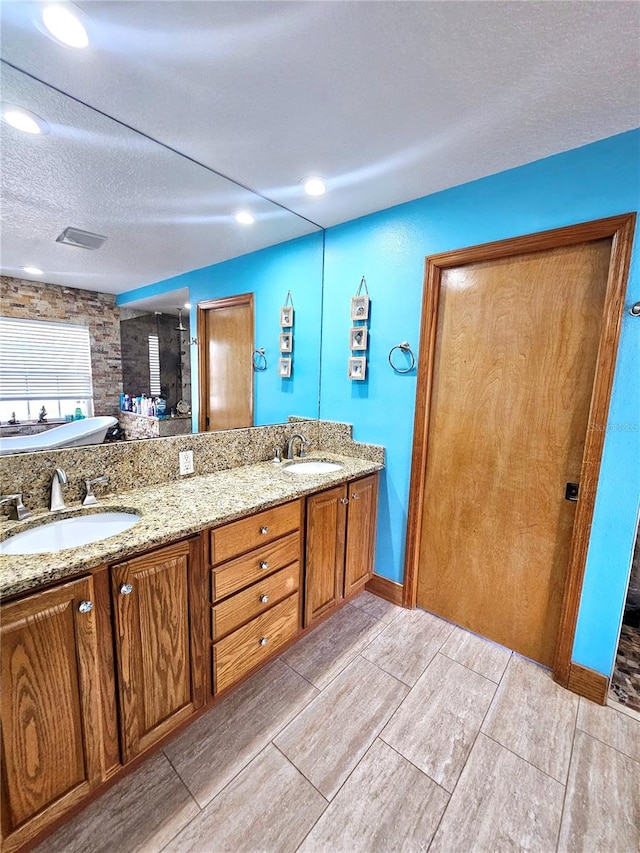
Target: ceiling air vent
column 83, row 239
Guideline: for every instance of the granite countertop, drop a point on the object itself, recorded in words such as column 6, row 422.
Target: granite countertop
column 169, row 512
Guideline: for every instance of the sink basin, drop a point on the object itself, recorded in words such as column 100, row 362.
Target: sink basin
column 313, row 466
column 69, row 533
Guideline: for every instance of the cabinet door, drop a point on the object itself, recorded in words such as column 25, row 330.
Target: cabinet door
column 159, row 654
column 361, row 532
column 326, row 518
column 51, row 721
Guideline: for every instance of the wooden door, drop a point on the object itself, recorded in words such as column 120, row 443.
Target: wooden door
column 516, row 347
column 51, row 725
column 361, row 532
column 326, row 520
column 225, row 335
column 159, row 656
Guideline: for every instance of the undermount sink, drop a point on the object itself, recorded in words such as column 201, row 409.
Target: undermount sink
column 313, row 466
column 69, row 533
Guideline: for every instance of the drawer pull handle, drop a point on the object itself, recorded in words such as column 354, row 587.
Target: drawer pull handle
column 264, row 564
column 263, row 641
column 264, row 599
column 264, row 530
column 344, row 500
column 126, row 589
column 355, row 496
column 85, row 606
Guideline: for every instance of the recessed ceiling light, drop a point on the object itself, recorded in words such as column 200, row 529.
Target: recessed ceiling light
column 23, row 120
column 245, row 218
column 33, row 270
column 314, row 186
column 62, row 21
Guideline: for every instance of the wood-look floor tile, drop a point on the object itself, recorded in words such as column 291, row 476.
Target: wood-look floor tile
column 376, row 606
column 326, row 740
column 478, row 654
column 407, row 646
column 325, row 652
column 610, row 726
column 217, row 746
column 602, row 807
column 269, row 806
column 438, row 721
column 534, row 717
column 501, row 803
column 386, row 804
column 141, row 812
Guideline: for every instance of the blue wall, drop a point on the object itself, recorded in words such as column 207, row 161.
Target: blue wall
column 268, row 274
column 389, row 248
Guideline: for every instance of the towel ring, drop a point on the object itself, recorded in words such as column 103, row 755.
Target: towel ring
column 403, row 347
column 259, row 359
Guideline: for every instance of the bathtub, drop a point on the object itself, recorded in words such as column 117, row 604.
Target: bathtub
column 73, row 434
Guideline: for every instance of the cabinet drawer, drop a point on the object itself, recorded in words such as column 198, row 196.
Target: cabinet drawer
column 241, row 651
column 245, row 605
column 248, row 533
column 238, row 573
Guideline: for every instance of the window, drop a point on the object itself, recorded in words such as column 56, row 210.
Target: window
column 44, row 364
column 154, row 366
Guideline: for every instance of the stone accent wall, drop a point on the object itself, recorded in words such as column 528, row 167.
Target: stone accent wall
column 31, row 300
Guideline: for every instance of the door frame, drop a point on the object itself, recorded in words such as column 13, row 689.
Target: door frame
column 201, row 309
column 621, row 230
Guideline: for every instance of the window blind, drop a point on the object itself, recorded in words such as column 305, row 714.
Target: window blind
column 154, row 366
column 42, row 360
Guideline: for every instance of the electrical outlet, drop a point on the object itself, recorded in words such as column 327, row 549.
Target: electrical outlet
column 186, row 461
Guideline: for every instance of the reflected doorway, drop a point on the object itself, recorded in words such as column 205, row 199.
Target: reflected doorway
column 225, row 346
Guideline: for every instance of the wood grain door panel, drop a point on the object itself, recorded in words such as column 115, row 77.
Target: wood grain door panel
column 326, row 521
column 514, row 365
column 225, row 333
column 154, row 645
column 51, row 716
column 361, row 532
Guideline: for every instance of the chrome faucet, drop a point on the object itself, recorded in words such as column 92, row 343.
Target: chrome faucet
column 303, row 444
column 18, row 511
column 90, row 498
column 57, row 498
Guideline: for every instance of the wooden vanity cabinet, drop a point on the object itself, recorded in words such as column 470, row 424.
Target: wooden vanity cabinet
column 51, row 717
column 159, row 622
column 340, row 543
column 255, row 582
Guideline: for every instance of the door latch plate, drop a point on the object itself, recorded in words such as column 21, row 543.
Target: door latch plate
column 571, row 491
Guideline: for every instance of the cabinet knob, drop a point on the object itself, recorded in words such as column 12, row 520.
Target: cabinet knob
column 355, row 496
column 344, row 500
column 126, row 589
column 85, row 606
column 264, row 599
column 263, row 641
column 264, row 564
column 264, row 530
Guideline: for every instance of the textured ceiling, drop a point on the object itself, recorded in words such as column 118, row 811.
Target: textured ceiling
column 389, row 101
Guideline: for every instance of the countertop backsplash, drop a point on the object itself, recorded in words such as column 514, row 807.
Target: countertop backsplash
column 137, row 464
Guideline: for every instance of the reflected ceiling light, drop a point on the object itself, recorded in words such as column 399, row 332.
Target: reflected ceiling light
column 245, row 218
column 187, row 305
column 33, row 270
column 62, row 21
column 23, row 120
column 314, row 186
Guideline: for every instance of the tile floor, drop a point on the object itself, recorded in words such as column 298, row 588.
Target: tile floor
column 383, row 730
column 625, row 684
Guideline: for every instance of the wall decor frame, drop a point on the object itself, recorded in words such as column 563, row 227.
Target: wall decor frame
column 286, row 316
column 286, row 342
column 284, row 368
column 360, row 307
column 357, row 367
column 358, row 338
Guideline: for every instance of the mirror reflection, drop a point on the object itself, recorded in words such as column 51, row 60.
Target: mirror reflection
column 172, row 240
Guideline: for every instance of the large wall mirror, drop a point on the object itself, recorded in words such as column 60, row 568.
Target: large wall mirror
column 172, row 242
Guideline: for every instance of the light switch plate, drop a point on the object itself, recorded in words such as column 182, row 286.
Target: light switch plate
column 186, row 461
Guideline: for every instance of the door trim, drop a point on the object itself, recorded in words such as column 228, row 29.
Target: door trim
column 201, row 308
column 621, row 230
